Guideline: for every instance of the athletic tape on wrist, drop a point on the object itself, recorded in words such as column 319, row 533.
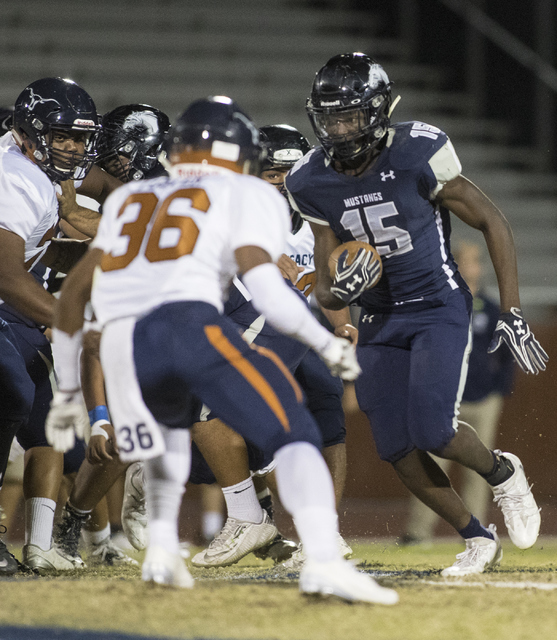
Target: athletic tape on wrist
column 97, row 430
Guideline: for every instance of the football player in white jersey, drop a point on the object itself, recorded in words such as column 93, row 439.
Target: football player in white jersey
column 163, row 258
column 54, row 129
column 246, row 528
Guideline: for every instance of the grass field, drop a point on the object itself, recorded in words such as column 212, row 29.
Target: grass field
column 255, row 600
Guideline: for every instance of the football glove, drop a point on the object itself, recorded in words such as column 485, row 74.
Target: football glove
column 515, row 332
column 352, row 280
column 340, row 357
column 66, row 419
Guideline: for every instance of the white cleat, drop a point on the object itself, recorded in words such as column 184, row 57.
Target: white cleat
column 341, row 579
column 521, row 513
column 134, row 510
column 235, row 540
column 50, row 561
column 345, row 548
column 480, row 555
column 166, row 569
column 107, row 553
column 296, row 561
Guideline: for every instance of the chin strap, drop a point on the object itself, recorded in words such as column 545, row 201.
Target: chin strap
column 395, row 102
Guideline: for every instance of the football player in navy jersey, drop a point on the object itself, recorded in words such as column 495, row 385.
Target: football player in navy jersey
column 394, row 186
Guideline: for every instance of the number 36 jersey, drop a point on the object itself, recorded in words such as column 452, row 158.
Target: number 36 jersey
column 391, row 206
column 173, row 239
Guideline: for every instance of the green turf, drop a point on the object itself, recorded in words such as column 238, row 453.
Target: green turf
column 254, row 600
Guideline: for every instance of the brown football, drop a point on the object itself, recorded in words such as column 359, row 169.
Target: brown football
column 353, row 247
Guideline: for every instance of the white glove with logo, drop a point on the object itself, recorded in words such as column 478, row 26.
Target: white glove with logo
column 340, row 357
column 66, row 419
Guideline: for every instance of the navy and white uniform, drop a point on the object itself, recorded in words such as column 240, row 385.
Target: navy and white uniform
column 28, row 208
column 159, row 295
column 414, row 325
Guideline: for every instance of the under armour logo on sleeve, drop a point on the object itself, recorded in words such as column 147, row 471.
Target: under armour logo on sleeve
column 384, row 175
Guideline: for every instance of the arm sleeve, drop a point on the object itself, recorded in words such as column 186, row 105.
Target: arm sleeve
column 283, row 309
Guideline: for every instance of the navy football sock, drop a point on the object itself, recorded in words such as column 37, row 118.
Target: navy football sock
column 475, row 530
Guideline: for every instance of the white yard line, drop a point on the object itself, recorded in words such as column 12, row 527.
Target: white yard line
column 542, row 586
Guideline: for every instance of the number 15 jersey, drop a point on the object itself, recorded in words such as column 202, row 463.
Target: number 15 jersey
column 391, row 206
column 173, row 239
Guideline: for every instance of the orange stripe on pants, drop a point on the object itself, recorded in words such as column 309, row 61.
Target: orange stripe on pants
column 268, row 353
column 221, row 343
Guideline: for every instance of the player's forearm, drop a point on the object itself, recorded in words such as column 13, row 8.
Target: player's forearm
column 25, row 295
column 328, row 300
column 337, row 318
column 500, row 243
column 92, row 379
column 84, row 220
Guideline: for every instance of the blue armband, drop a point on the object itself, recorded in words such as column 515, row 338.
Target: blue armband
column 98, row 413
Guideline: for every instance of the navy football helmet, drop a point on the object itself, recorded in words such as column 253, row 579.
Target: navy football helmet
column 135, row 132
column 284, row 146
column 57, row 104
column 215, row 131
column 6, row 114
column 349, row 107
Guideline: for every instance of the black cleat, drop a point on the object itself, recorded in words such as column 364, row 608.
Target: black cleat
column 68, row 531
column 8, row 564
column 279, row 549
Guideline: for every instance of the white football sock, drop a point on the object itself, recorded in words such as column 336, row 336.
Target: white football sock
column 306, row 492
column 211, row 524
column 242, row 503
column 39, row 518
column 165, row 479
column 95, row 537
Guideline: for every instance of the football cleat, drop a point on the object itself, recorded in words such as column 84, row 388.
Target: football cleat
column 480, row 555
column 521, row 513
column 107, row 553
column 8, row 564
column 68, row 531
column 235, row 540
column 166, row 569
column 345, row 548
column 279, row 549
column 55, row 559
column 341, row 579
column 134, row 510
column 296, row 562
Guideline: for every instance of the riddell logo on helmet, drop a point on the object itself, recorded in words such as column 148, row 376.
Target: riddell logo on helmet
column 330, row 104
column 83, row 123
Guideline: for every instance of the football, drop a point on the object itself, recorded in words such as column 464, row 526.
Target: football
column 353, row 247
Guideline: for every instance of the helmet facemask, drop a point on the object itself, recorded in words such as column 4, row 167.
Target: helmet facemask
column 59, row 164
column 349, row 134
column 131, row 140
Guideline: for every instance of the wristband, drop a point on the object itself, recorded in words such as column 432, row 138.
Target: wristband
column 97, row 430
column 100, row 412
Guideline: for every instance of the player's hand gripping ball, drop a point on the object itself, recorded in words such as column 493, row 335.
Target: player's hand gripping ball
column 354, row 267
